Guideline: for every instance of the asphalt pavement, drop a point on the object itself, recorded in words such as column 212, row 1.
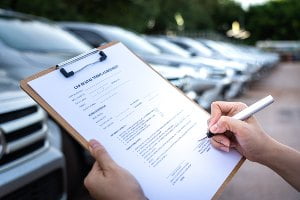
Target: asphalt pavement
column 282, row 121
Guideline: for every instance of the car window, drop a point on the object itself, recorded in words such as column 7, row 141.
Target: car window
column 182, row 45
column 203, row 50
column 169, row 48
column 34, row 35
column 133, row 41
column 92, row 38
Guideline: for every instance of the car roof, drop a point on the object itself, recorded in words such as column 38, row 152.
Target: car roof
column 13, row 14
column 87, row 25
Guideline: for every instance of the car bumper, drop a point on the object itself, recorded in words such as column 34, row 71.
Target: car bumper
column 214, row 94
column 237, row 86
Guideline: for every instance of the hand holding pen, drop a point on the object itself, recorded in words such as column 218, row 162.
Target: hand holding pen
column 229, row 131
column 249, row 111
column 249, row 139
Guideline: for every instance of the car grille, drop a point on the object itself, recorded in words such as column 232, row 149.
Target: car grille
column 48, row 187
column 5, row 117
column 23, row 130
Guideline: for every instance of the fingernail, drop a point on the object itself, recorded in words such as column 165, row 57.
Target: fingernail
column 211, row 122
column 226, row 149
column 94, row 143
column 225, row 143
column 208, row 122
column 214, row 128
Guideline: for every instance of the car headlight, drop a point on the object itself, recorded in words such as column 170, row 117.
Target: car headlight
column 192, row 95
column 203, row 73
column 230, row 72
column 168, row 72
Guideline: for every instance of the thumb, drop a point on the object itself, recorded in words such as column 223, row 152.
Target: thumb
column 100, row 154
column 215, row 115
column 226, row 123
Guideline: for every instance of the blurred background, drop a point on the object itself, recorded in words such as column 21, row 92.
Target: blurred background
column 232, row 50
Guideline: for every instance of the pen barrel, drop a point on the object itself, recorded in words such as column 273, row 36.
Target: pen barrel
column 247, row 112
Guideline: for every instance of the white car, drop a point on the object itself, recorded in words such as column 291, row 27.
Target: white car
column 32, row 165
column 96, row 34
column 234, row 70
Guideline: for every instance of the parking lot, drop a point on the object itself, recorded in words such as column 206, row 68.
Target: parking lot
column 34, row 149
column 281, row 121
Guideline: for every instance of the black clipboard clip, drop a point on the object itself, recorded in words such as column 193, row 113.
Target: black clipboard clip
column 66, row 74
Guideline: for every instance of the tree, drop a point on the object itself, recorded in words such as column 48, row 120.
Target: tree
column 150, row 16
column 275, row 20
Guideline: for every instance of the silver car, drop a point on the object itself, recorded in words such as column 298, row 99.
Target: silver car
column 233, row 70
column 30, row 44
column 96, row 34
column 31, row 163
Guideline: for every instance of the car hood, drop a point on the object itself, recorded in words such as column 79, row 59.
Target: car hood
column 165, row 59
column 12, row 94
column 221, row 64
column 8, row 85
column 26, row 64
column 43, row 60
column 169, row 72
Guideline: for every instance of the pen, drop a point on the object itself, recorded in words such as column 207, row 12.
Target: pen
column 249, row 111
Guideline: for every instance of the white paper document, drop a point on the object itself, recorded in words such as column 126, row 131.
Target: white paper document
column 147, row 126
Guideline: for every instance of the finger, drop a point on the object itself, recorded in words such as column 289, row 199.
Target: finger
column 222, row 139
column 219, row 108
column 90, row 178
column 215, row 114
column 95, row 168
column 218, row 145
column 100, row 154
column 251, row 119
column 226, row 123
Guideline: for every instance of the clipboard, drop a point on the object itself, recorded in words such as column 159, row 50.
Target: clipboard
column 60, row 120
column 70, row 129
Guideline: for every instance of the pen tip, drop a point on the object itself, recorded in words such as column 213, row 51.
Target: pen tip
column 209, row 134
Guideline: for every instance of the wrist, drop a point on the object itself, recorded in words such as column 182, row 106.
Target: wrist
column 269, row 152
column 141, row 197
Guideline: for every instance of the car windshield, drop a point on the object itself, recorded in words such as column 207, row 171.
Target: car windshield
column 135, row 42
column 37, row 36
column 199, row 47
column 169, row 47
column 218, row 47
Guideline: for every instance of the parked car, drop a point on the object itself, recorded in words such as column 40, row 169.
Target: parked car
column 236, row 71
column 287, row 50
column 228, row 51
column 182, row 77
column 197, row 48
column 247, row 60
column 31, row 163
column 30, row 44
column 266, row 59
column 97, row 34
